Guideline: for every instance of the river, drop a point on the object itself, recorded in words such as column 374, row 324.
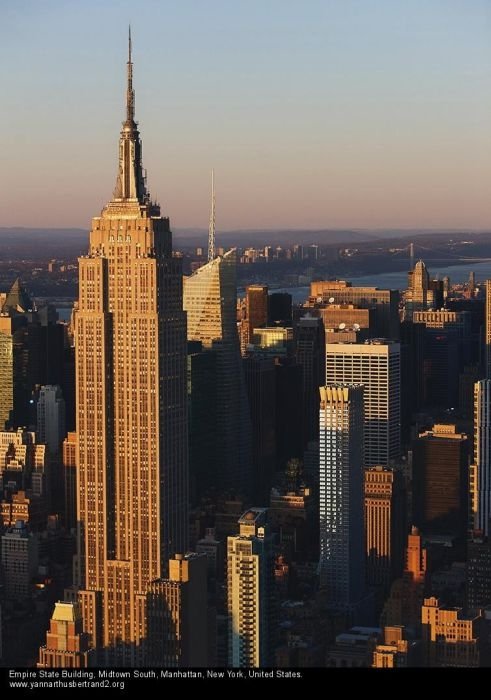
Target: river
column 398, row 280
column 383, row 280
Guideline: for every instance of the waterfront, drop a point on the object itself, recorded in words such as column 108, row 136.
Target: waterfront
column 398, row 280
column 383, row 280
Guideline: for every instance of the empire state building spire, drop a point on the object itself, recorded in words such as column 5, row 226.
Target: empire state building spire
column 131, row 406
column 130, row 93
column 130, row 182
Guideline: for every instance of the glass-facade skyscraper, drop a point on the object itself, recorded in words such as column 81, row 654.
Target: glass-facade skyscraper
column 341, row 567
column 210, row 296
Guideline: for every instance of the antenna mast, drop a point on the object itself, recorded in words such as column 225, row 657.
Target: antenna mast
column 211, row 229
column 130, row 93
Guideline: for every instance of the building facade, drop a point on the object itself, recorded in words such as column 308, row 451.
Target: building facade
column 395, row 651
column 310, row 353
column 250, row 582
column 384, row 302
column 69, row 462
column 210, row 302
column 422, row 293
column 451, row 638
column 51, row 417
column 377, row 365
column 260, row 381
column 487, row 357
column 256, row 308
column 67, row 645
column 178, row 629
column 131, row 408
column 6, row 370
column 480, row 472
column 478, row 583
column 342, row 570
column 20, row 552
column 384, row 504
column 441, row 482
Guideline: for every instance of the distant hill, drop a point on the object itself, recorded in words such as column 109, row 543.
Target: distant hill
column 261, row 237
column 68, row 243
column 42, row 243
column 44, row 234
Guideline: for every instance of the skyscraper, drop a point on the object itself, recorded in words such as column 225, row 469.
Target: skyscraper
column 419, row 282
column 31, row 355
column 256, row 307
column 6, row 371
column 480, row 479
column 376, row 365
column 384, row 526
column 178, row 614
column 478, row 572
column 342, row 570
column 288, row 391
column 210, row 302
column 19, row 562
column 412, row 373
column 280, row 309
column 447, row 351
column 250, row 576
column 310, row 351
column 202, row 427
column 131, row 408
column 422, row 293
column 51, row 417
column 403, row 606
column 440, row 482
column 487, row 358
column 260, row 379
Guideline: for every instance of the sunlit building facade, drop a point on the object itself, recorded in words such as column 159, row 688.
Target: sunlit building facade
column 377, row 365
column 67, row 645
column 210, row 302
column 131, row 409
column 250, row 576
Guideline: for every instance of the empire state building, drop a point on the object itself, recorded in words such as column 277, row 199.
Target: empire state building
column 132, row 483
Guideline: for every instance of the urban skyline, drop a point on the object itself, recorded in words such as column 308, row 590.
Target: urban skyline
column 324, row 115
column 200, row 476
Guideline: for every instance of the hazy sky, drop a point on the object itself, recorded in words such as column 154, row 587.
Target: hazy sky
column 314, row 113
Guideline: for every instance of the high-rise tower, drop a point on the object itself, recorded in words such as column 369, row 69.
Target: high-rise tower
column 210, row 300
column 487, row 349
column 480, row 472
column 131, row 408
column 377, row 365
column 310, row 352
column 440, row 482
column 251, row 594
column 342, row 560
column 384, row 505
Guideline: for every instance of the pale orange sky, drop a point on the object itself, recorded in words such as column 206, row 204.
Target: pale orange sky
column 325, row 114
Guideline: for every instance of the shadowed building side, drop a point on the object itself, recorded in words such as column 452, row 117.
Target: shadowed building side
column 210, row 303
